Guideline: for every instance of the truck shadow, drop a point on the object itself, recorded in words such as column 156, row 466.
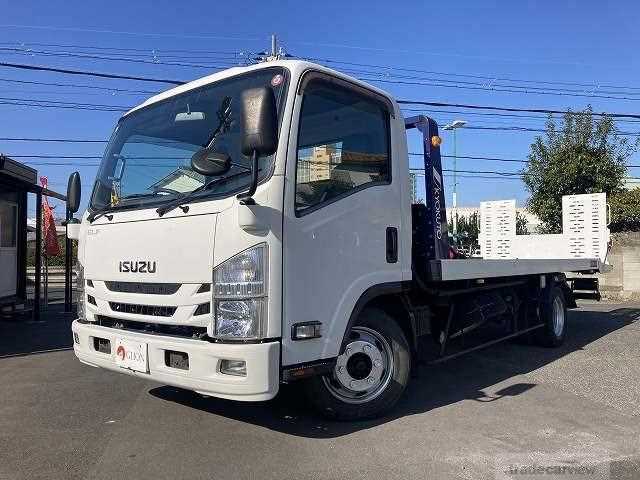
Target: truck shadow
column 20, row 335
column 464, row 378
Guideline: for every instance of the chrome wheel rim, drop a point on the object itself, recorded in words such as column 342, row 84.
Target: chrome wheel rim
column 364, row 369
column 558, row 317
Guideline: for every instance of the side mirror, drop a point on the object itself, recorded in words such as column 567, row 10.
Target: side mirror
column 74, row 191
column 259, row 122
column 209, row 163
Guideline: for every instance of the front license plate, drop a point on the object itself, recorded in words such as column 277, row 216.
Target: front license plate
column 132, row 355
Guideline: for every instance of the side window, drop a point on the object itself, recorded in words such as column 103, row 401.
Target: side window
column 8, row 225
column 343, row 144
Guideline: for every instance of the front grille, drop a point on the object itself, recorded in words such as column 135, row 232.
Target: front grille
column 145, row 288
column 151, row 310
column 184, row 331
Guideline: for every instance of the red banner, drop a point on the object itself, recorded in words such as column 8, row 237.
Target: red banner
column 51, row 247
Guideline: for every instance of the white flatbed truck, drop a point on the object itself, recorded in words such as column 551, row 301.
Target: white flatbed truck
column 256, row 227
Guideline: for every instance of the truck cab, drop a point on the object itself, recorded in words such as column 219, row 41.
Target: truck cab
column 187, row 280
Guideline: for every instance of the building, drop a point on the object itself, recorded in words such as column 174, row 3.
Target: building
column 413, row 187
column 317, row 165
column 16, row 182
column 332, row 162
column 630, row 183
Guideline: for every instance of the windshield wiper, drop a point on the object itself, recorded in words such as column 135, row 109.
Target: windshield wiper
column 178, row 202
column 109, row 208
column 99, row 213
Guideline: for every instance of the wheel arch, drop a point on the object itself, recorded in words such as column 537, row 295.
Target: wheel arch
column 391, row 298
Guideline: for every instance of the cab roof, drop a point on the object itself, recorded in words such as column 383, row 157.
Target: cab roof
column 295, row 67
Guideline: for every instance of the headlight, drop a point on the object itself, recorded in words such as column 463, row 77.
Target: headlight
column 239, row 294
column 80, row 291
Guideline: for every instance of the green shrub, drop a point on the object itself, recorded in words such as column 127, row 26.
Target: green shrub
column 625, row 211
column 58, row 260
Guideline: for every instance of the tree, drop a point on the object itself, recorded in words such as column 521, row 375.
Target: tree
column 521, row 224
column 468, row 230
column 582, row 155
column 625, row 211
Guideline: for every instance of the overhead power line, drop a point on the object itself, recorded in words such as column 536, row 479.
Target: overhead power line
column 76, row 157
column 157, row 55
column 514, row 109
column 77, row 89
column 487, row 78
column 498, row 88
column 61, row 106
column 492, row 85
column 81, row 104
column 493, row 114
column 484, row 172
column 53, row 140
column 468, row 157
column 45, row 53
column 135, row 34
column 401, row 101
column 89, row 73
column 77, row 85
column 128, row 49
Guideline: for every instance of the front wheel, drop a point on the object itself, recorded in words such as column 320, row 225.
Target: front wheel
column 370, row 374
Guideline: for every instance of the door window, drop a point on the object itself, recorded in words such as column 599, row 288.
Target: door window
column 343, row 144
column 8, row 225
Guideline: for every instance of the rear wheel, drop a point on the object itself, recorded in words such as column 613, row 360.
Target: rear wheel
column 554, row 315
column 370, row 374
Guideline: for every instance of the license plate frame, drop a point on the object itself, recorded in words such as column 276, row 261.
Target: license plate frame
column 132, row 355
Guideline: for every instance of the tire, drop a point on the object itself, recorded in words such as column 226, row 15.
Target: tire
column 370, row 375
column 554, row 315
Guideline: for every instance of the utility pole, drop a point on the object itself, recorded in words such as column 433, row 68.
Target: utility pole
column 275, row 53
column 454, row 126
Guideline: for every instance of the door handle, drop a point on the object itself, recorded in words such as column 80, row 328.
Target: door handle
column 392, row 244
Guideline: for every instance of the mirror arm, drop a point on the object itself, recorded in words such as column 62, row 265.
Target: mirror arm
column 246, row 198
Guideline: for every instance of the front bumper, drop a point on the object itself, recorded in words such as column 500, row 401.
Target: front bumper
column 203, row 376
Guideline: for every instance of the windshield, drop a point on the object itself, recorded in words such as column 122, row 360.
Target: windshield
column 148, row 159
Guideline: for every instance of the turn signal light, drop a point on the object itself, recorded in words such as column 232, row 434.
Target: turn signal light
column 436, row 141
column 306, row 331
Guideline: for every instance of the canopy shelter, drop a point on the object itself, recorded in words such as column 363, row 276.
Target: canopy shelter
column 16, row 181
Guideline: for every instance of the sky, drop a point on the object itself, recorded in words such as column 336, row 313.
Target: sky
column 571, row 53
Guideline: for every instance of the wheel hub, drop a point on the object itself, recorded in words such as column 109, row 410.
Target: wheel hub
column 360, row 366
column 558, row 317
column 364, row 369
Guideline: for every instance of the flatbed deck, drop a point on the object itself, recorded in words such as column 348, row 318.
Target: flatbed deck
column 472, row 268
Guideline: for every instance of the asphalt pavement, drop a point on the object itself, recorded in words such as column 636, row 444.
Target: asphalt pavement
column 469, row 418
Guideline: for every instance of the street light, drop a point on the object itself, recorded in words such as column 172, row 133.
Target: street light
column 454, row 126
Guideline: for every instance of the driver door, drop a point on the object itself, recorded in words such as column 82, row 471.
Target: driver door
column 340, row 205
